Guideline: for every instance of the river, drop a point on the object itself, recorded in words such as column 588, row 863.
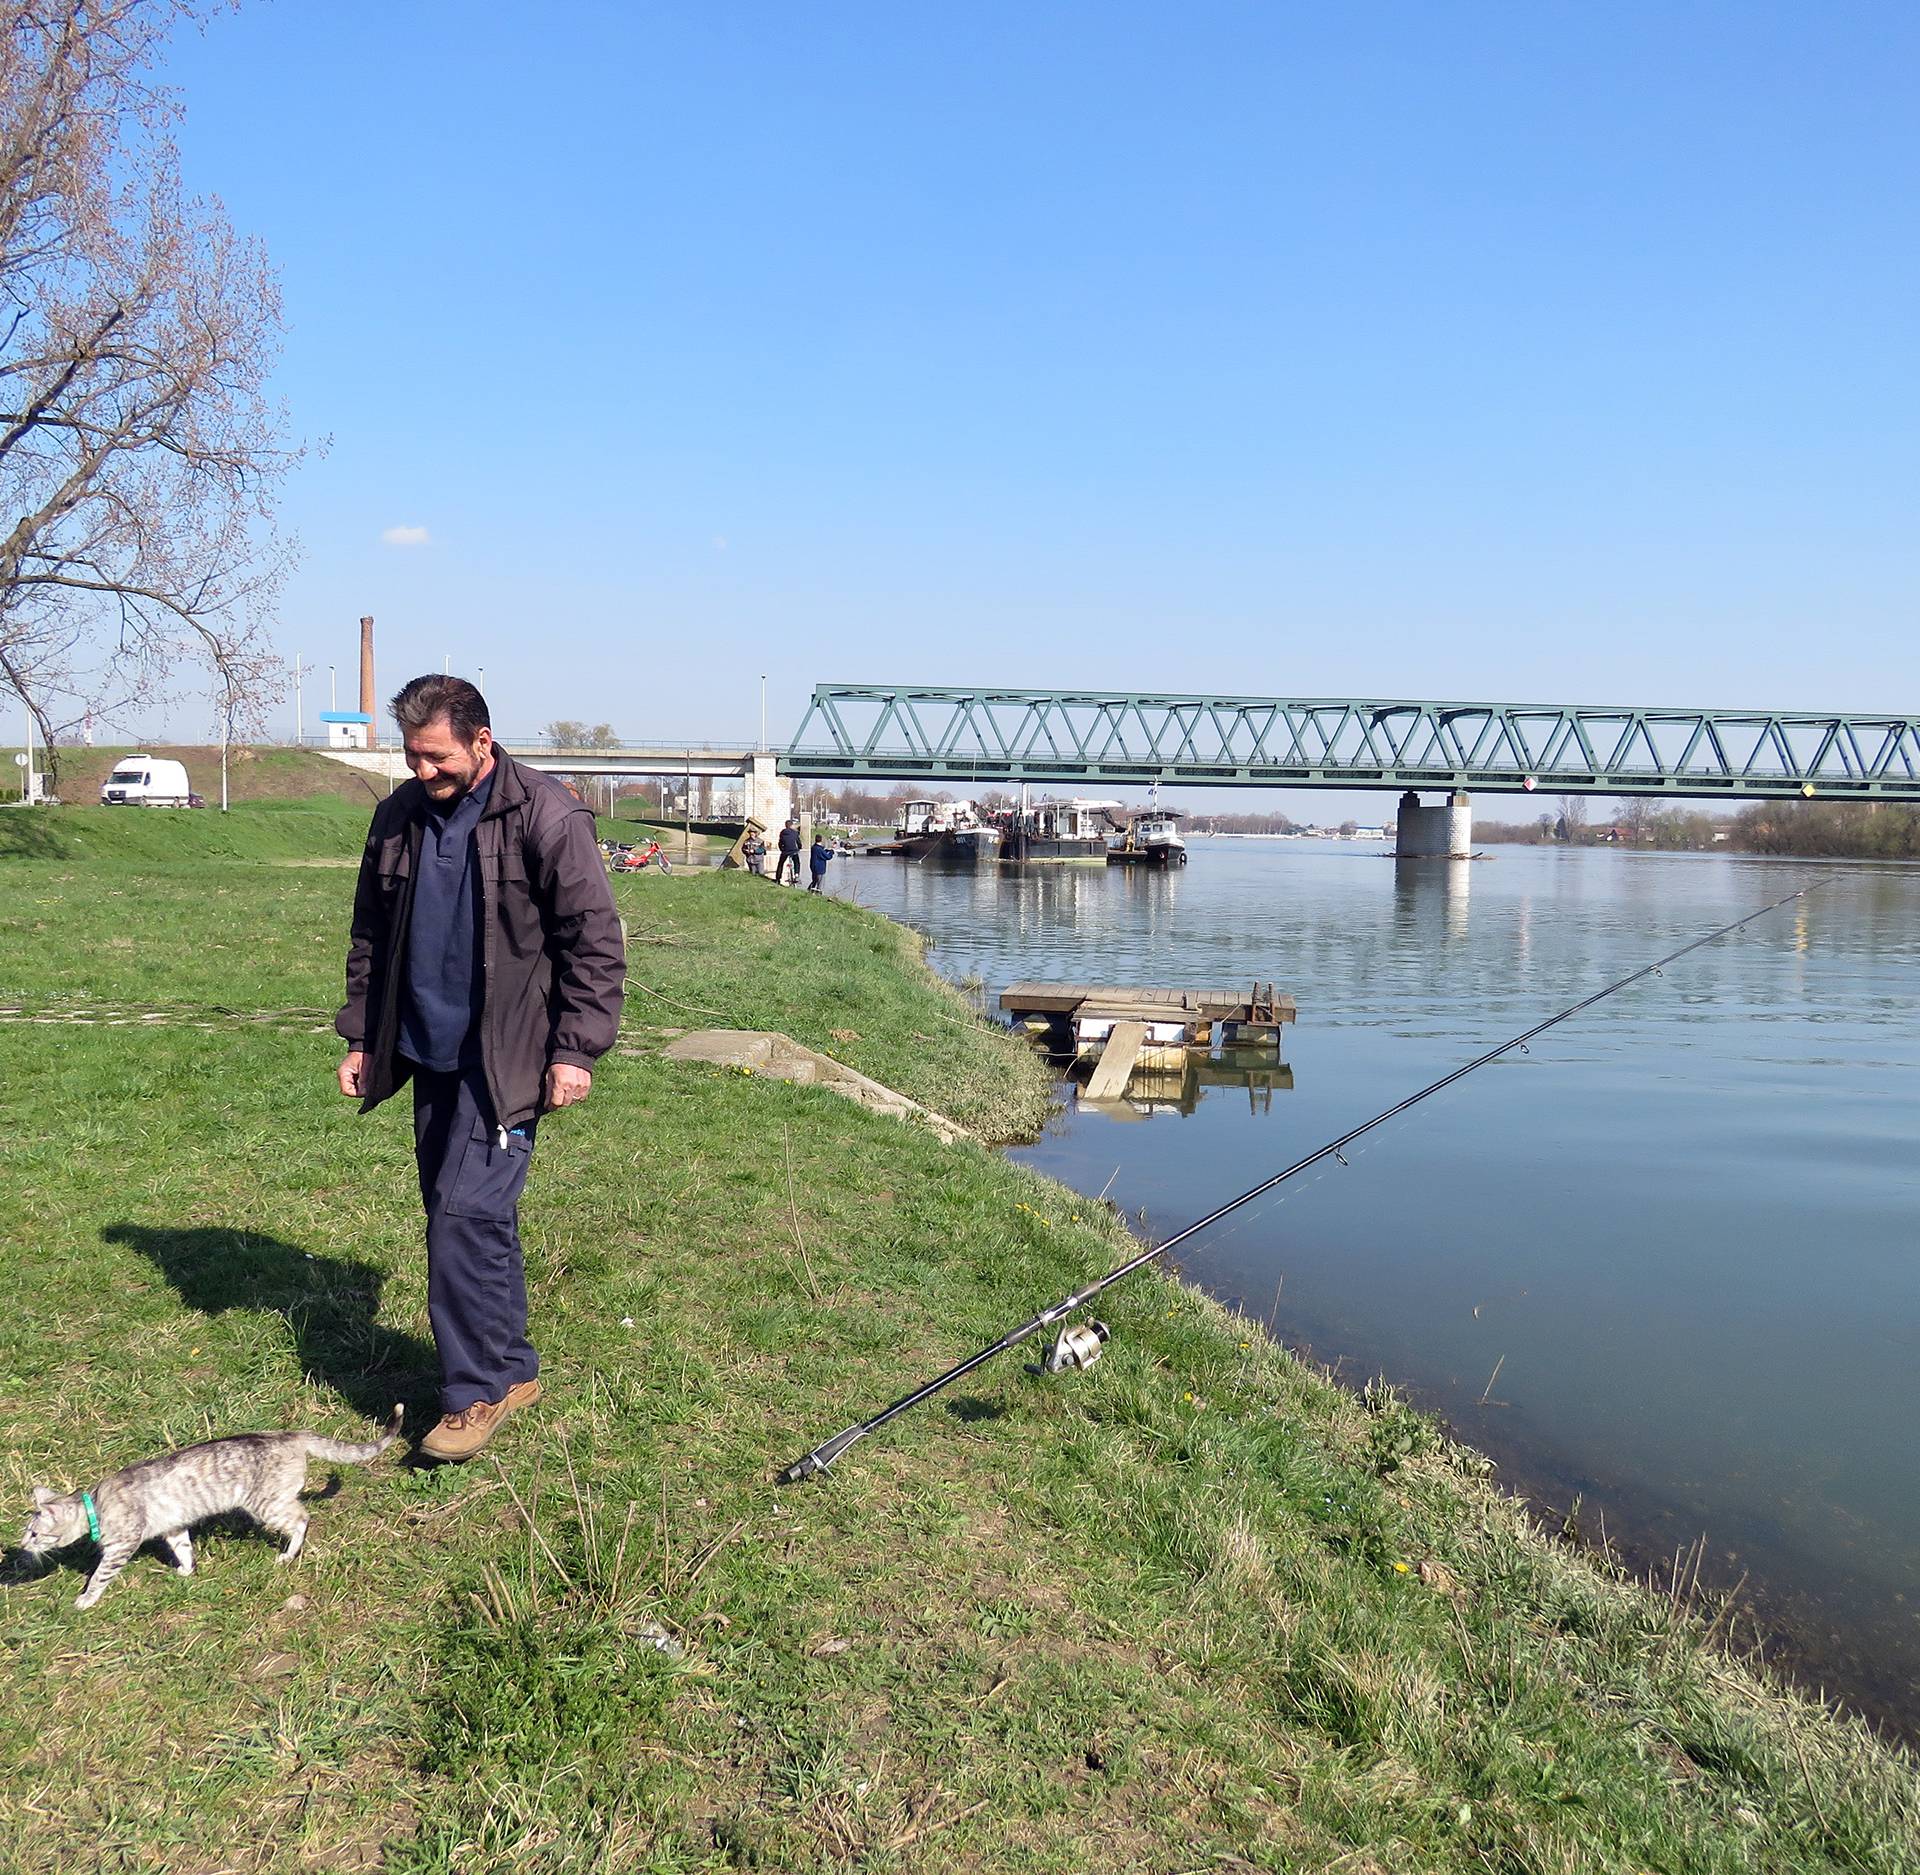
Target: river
column 1684, row 1228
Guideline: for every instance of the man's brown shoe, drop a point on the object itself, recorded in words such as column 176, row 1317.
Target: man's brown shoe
column 521, row 1393
column 460, row 1435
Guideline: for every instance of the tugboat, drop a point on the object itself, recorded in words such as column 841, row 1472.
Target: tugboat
column 1152, row 838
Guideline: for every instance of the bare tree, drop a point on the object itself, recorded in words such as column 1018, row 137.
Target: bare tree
column 1573, row 818
column 565, row 732
column 1633, row 815
column 139, row 452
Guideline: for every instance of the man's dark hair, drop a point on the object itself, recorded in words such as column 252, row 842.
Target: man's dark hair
column 428, row 698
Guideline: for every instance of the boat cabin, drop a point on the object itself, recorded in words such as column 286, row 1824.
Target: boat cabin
column 1158, row 826
column 1071, row 820
column 924, row 817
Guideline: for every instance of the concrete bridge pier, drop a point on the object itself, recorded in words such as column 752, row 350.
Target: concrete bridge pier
column 1444, row 831
column 768, row 794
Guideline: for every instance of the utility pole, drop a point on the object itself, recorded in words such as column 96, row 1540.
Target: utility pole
column 333, row 691
column 299, row 720
column 763, row 712
column 28, row 792
column 226, row 732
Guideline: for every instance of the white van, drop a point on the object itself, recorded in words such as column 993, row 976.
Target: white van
column 146, row 781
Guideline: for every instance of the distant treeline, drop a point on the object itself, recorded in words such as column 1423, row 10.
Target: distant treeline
column 1829, row 829
column 1245, row 823
column 1810, row 829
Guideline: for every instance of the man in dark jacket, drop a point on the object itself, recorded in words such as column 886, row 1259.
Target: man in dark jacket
column 789, row 853
column 485, row 965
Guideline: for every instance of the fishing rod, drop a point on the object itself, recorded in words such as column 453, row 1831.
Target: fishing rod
column 1079, row 1346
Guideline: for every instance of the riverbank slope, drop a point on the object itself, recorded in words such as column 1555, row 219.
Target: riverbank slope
column 1197, row 1609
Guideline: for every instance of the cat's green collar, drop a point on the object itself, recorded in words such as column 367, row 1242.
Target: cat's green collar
column 93, row 1516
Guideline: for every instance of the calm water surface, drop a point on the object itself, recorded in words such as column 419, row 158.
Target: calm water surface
column 1686, row 1226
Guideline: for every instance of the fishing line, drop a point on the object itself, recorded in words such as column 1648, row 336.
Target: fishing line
column 1080, row 1346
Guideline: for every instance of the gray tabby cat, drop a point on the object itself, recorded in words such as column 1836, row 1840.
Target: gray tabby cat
column 261, row 1473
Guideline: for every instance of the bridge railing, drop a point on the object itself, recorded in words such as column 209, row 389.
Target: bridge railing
column 1108, row 736
column 546, row 745
column 647, row 745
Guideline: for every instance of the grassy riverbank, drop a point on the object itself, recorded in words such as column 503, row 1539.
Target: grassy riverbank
column 308, row 829
column 263, row 773
column 1198, row 1609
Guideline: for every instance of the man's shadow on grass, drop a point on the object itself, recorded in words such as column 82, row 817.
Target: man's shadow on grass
column 331, row 1305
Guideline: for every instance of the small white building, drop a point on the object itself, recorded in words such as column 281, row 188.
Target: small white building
column 347, row 729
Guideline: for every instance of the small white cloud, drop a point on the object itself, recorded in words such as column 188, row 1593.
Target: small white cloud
column 404, row 536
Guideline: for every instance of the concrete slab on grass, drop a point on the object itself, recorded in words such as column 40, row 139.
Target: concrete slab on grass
column 780, row 1058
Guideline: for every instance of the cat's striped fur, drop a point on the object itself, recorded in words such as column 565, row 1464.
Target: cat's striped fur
column 261, row 1473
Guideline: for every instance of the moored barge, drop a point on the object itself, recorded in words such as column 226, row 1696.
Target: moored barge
column 1059, row 830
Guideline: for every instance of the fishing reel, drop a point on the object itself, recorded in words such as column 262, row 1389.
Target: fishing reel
column 1077, row 1347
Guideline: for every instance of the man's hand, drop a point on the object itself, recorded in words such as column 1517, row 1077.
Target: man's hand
column 566, row 1084
column 353, row 1073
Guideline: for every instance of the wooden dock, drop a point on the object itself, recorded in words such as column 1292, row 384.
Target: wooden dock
column 1255, row 1004
column 1115, row 1067
column 1120, row 1027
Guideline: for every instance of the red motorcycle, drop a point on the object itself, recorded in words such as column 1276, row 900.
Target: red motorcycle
column 637, row 858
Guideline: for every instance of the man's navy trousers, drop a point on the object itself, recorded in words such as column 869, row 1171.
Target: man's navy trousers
column 470, row 1183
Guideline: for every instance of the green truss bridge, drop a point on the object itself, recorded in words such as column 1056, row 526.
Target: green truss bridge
column 1101, row 738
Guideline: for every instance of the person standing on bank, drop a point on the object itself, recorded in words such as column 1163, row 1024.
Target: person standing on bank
column 486, row 965
column 817, row 857
column 789, row 853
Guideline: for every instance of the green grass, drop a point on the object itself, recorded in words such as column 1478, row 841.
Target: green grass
column 264, row 773
column 1199, row 1609
column 320, row 830
column 633, row 823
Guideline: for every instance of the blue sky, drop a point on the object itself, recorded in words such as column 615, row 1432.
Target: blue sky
column 1505, row 352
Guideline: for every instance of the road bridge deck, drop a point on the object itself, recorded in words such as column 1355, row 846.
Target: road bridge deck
column 1093, row 740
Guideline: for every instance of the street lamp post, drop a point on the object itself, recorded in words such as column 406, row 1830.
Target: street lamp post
column 763, row 712
column 28, row 793
column 299, row 718
column 226, row 733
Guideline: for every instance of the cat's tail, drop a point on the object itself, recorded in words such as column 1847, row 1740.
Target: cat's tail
column 335, row 1452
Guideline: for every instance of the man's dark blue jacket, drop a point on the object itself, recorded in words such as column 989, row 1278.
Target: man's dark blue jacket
column 552, row 962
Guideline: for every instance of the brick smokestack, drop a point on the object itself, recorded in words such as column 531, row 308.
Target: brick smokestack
column 366, row 683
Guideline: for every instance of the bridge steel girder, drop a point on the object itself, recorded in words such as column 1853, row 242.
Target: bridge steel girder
column 1111, row 738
